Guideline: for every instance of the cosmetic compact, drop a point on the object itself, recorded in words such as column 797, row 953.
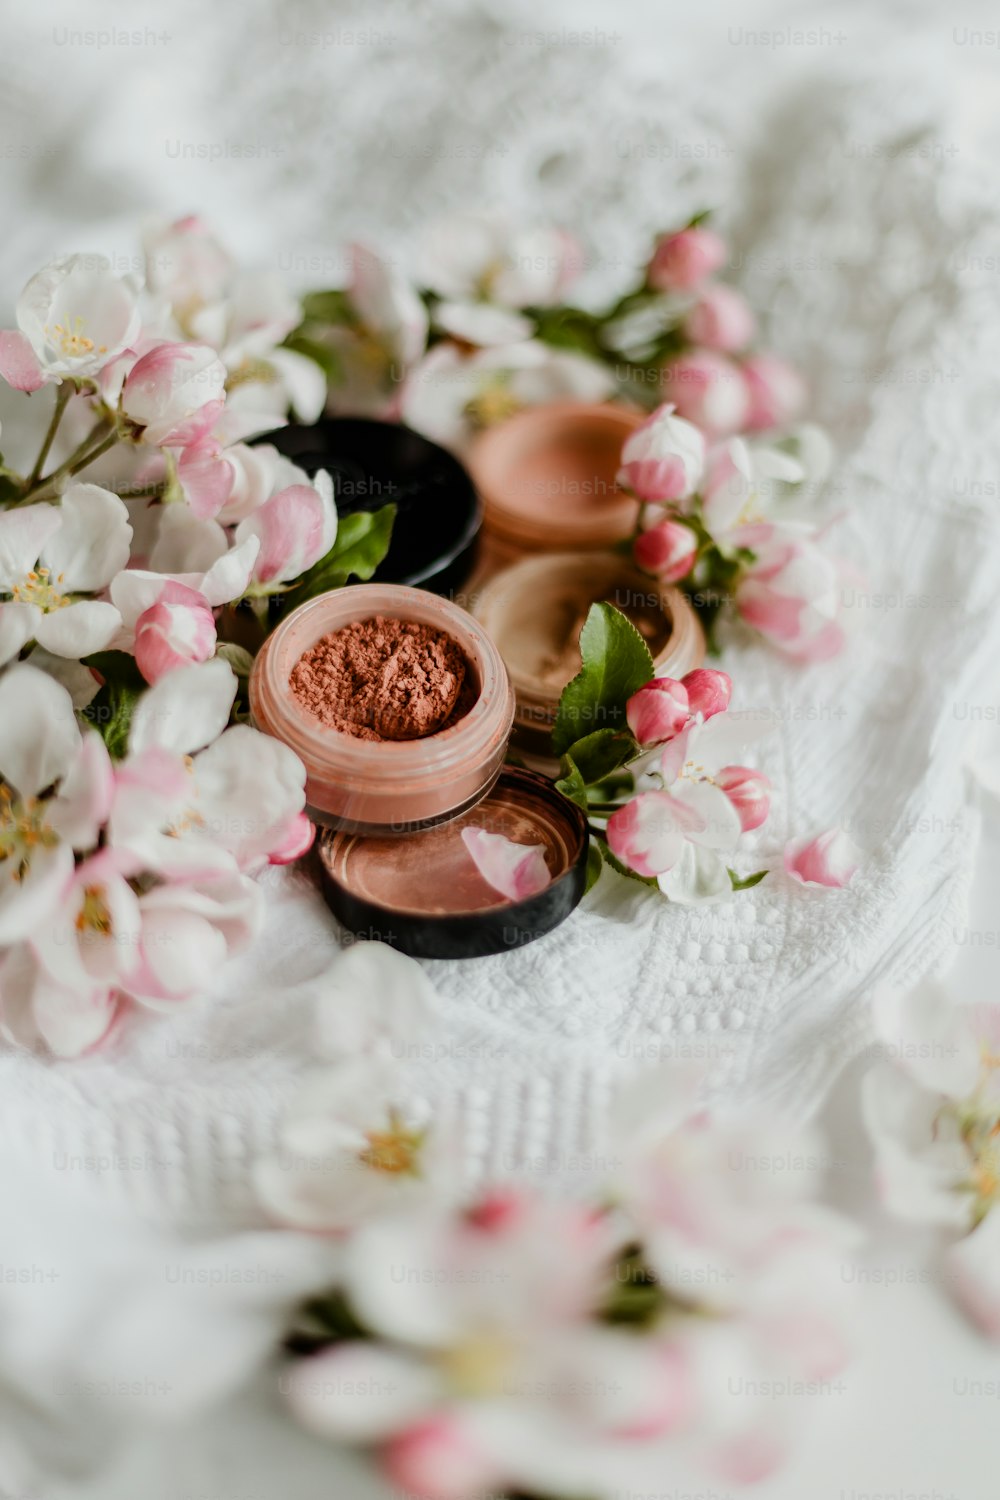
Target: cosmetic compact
column 438, row 514
column 425, row 896
column 535, row 609
column 400, row 707
column 547, row 477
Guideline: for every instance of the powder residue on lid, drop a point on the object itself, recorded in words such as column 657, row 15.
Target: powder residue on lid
column 384, row 679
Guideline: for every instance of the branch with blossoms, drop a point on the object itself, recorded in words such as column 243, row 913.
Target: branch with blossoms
column 141, row 551
column 720, row 467
column 511, row 1344
column 652, row 763
column 484, row 328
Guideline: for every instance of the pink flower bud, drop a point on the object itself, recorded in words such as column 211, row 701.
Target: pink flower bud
column 831, row 859
column 175, row 393
column 438, row 1460
column 708, row 690
column 709, row 390
column 680, row 261
column 293, row 842
column 663, row 459
column 749, row 792
column 175, row 631
column 721, row 319
column 776, row 392
column 669, row 550
column 658, row 711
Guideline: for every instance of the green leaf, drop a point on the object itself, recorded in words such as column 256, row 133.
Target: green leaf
column 362, row 542
column 600, row 754
column 616, row 663
column 594, row 865
column 572, row 784
column 748, row 881
column 238, row 657
column 111, row 710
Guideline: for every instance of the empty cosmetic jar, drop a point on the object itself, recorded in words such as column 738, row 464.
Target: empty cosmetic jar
column 424, row 894
column 438, row 514
column 386, row 787
column 534, row 611
column 547, row 480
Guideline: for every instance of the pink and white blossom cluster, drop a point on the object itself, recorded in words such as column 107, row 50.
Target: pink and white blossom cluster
column 702, row 800
column 518, row 1343
column 128, row 882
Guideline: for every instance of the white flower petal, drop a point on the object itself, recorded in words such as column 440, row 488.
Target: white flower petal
column 230, row 574
column 38, row 730
column 929, row 1035
column 698, row 878
column 79, row 629
column 27, row 904
column 18, row 623
column 92, row 542
column 186, row 543
column 23, row 534
column 720, row 822
column 373, row 999
column 186, row 709
column 361, row 1391
column 78, row 680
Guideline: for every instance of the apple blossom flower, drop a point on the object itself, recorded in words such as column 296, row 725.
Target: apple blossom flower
column 658, row 711
column 708, row 690
column 74, row 317
column 225, row 578
column 50, row 556
column 791, row 592
column 709, row 390
column 296, row 527
column 40, row 747
column 679, row 835
column 175, row 631
column 720, row 319
column 683, row 260
column 186, row 263
column 355, row 1146
column 664, row 458
column 776, row 392
column 932, row 1109
column 739, row 486
column 174, row 393
column 450, row 395
column 830, row 859
column 668, row 549
column 383, row 341
column 478, row 257
column 515, row 870
column 510, row 1295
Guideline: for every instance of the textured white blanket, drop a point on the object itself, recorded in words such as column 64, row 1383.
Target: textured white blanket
column 867, row 245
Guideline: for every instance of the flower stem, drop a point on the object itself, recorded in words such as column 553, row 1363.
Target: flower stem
column 84, row 455
column 62, row 396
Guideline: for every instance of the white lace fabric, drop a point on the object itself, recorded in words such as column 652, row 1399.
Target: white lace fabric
column 866, row 251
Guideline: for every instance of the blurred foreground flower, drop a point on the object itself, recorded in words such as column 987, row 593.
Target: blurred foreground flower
column 932, row 1107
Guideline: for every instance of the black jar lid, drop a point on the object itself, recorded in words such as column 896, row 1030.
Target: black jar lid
column 374, row 463
column 423, row 893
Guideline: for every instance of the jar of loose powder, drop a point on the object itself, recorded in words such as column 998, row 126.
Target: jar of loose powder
column 396, row 701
